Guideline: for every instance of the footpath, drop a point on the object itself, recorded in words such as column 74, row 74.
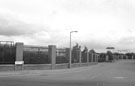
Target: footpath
column 40, row 72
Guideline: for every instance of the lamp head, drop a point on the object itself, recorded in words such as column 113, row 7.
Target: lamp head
column 73, row 31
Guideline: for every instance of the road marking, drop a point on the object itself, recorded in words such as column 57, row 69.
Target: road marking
column 120, row 77
column 70, row 71
column 96, row 76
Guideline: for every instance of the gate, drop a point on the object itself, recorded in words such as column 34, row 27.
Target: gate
column 7, row 52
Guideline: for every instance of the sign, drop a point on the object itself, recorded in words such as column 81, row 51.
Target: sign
column 110, row 48
column 19, row 62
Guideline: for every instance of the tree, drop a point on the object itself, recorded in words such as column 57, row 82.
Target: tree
column 75, row 53
column 110, row 55
column 92, row 51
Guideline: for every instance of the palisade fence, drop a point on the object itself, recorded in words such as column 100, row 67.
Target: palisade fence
column 90, row 57
column 75, row 55
column 61, row 56
column 35, row 55
column 7, row 52
column 40, row 55
column 94, row 58
column 84, row 57
column 102, row 57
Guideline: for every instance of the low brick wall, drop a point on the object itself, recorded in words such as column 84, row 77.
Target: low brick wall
column 44, row 66
column 75, row 65
column 7, row 68
column 84, row 64
column 61, row 66
column 37, row 66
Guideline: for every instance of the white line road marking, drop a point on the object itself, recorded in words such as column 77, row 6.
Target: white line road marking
column 73, row 71
column 120, row 77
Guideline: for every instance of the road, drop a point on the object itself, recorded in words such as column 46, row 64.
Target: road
column 120, row 73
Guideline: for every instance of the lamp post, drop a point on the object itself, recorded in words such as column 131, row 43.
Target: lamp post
column 70, row 56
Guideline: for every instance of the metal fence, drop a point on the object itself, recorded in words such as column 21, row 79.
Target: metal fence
column 75, row 55
column 7, row 52
column 61, row 56
column 35, row 55
column 102, row 57
column 84, row 57
column 90, row 57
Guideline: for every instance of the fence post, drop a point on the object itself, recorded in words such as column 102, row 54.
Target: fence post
column 96, row 58
column 80, row 57
column 119, row 57
column 87, row 57
column 132, row 57
column 92, row 58
column 122, row 57
column 19, row 56
column 107, row 57
column 127, row 57
column 68, row 55
column 52, row 55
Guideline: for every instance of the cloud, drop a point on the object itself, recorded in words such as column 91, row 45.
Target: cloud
column 12, row 24
column 127, row 42
column 14, row 29
column 100, row 23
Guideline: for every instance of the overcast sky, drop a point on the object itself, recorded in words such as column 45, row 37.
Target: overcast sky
column 100, row 23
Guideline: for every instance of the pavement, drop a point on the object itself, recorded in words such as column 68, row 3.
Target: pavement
column 119, row 73
column 39, row 72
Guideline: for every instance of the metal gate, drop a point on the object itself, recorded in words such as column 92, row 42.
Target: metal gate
column 7, row 52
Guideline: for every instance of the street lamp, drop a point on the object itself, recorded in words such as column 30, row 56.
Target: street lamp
column 70, row 56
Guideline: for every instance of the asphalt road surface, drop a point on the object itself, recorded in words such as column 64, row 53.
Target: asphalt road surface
column 120, row 73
